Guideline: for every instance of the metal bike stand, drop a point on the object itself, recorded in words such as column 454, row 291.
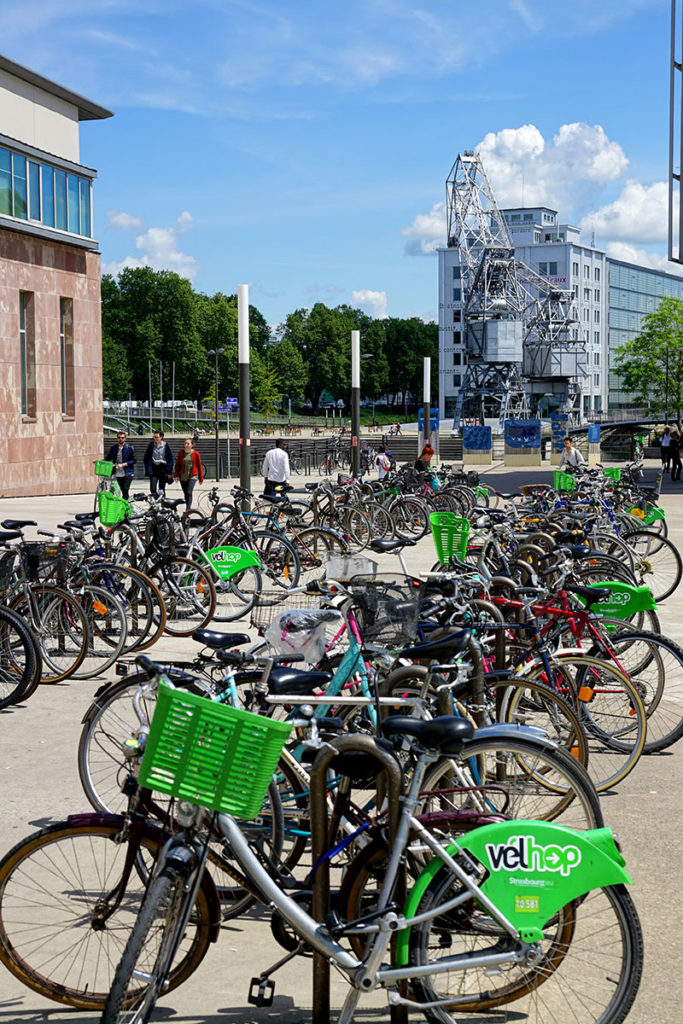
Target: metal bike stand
column 390, row 771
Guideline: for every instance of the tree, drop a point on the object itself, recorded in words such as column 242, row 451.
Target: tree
column 116, row 374
column 266, row 388
column 651, row 365
column 288, row 363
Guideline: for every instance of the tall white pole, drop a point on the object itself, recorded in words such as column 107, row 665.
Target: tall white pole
column 243, row 359
column 426, row 399
column 355, row 403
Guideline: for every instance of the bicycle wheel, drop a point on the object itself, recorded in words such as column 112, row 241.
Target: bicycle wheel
column 278, row 557
column 149, row 952
column 107, row 630
column 382, row 524
column 657, row 562
column 591, row 960
column 314, row 546
column 610, row 710
column 411, row 517
column 188, row 593
column 236, row 597
column 56, row 887
column 536, row 705
column 654, row 664
column 60, row 627
column 20, row 662
column 140, row 598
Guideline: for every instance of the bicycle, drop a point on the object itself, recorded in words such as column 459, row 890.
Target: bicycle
column 468, row 938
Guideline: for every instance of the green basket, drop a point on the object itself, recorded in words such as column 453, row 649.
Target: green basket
column 613, row 474
column 103, row 468
column 450, row 534
column 563, row 481
column 210, row 753
column 112, row 508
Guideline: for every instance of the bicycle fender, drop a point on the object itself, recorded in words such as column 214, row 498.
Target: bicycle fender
column 534, row 868
column 227, row 561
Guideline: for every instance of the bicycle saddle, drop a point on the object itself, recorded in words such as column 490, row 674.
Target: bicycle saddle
column 219, row 641
column 16, row 524
column 580, row 551
column 296, row 680
column 592, row 595
column 10, row 535
column 510, row 495
column 444, row 647
column 446, row 733
column 392, row 545
column 310, row 487
column 172, row 502
column 86, row 517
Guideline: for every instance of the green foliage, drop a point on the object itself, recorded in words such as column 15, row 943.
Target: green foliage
column 266, row 388
column 651, row 365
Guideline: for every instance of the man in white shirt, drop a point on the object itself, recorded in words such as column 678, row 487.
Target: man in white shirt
column 571, row 457
column 275, row 467
column 666, row 449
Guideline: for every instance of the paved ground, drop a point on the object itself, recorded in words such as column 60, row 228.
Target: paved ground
column 40, row 785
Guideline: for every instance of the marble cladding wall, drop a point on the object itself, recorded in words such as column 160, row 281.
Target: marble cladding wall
column 49, row 453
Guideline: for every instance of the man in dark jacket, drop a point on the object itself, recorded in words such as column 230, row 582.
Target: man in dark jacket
column 122, row 455
column 159, row 463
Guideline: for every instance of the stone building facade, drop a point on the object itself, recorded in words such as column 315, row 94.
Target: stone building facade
column 50, row 335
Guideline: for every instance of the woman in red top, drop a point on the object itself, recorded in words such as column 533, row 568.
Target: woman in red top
column 188, row 469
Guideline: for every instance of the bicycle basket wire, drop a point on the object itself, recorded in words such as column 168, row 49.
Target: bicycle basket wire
column 269, row 603
column 345, row 567
column 387, row 610
column 43, row 561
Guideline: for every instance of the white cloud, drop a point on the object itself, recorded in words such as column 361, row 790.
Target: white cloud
column 427, row 232
column 159, row 249
column 521, row 8
column 124, row 221
column 372, row 303
column 632, row 254
column 639, row 214
column 524, row 169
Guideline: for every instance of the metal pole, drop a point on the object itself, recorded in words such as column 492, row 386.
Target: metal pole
column 149, row 378
column 215, row 410
column 161, row 393
column 427, row 400
column 227, row 423
column 355, row 403
column 243, row 357
column 173, row 398
column 129, row 401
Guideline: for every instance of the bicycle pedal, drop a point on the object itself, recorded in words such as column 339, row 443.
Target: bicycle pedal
column 261, row 992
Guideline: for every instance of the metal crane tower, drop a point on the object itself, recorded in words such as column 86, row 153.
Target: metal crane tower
column 493, row 300
column 513, row 321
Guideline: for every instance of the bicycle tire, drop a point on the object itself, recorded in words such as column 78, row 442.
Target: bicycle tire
column 50, row 886
column 591, row 966
column 188, row 592
column 157, row 926
column 411, row 517
column 20, row 661
column 62, row 622
column 142, row 601
column 278, row 557
column 610, row 710
column 107, row 630
column 657, row 562
column 314, row 545
column 236, row 597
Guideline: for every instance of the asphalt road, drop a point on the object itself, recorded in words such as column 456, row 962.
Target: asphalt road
column 40, row 785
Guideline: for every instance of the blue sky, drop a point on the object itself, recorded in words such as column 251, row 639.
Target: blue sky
column 303, row 147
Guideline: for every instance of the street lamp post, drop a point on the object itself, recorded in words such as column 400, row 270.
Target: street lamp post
column 355, row 403
column 426, row 400
column 216, row 352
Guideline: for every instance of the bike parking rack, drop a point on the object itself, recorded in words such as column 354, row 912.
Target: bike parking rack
column 389, row 787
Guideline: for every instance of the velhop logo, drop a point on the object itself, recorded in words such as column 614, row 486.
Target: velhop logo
column 523, row 853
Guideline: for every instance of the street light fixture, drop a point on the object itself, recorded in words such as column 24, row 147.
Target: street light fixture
column 216, row 352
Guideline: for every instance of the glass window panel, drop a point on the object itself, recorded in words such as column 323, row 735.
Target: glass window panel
column 84, row 186
column 73, row 203
column 60, row 200
column 22, row 352
column 19, row 189
column 5, row 181
column 34, row 190
column 48, row 196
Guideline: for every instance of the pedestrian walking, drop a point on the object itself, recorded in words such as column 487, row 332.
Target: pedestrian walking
column 383, row 462
column 275, row 468
column 675, row 455
column 122, row 455
column 665, row 443
column 189, row 470
column 158, row 463
column 571, row 456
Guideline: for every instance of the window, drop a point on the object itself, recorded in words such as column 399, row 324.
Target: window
column 596, row 316
column 586, row 336
column 596, row 337
column 456, row 273
column 30, row 190
column 27, row 354
column 597, row 274
column 457, row 294
column 528, row 218
column 537, row 236
column 596, row 380
column 575, row 291
column 66, row 354
column 456, row 316
column 587, row 272
column 552, row 269
column 514, row 218
column 548, row 237
column 543, row 268
column 456, row 337
column 586, row 294
column 597, row 294
column 575, row 269
column 596, row 359
column 456, row 380
column 457, row 358
column 586, row 314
